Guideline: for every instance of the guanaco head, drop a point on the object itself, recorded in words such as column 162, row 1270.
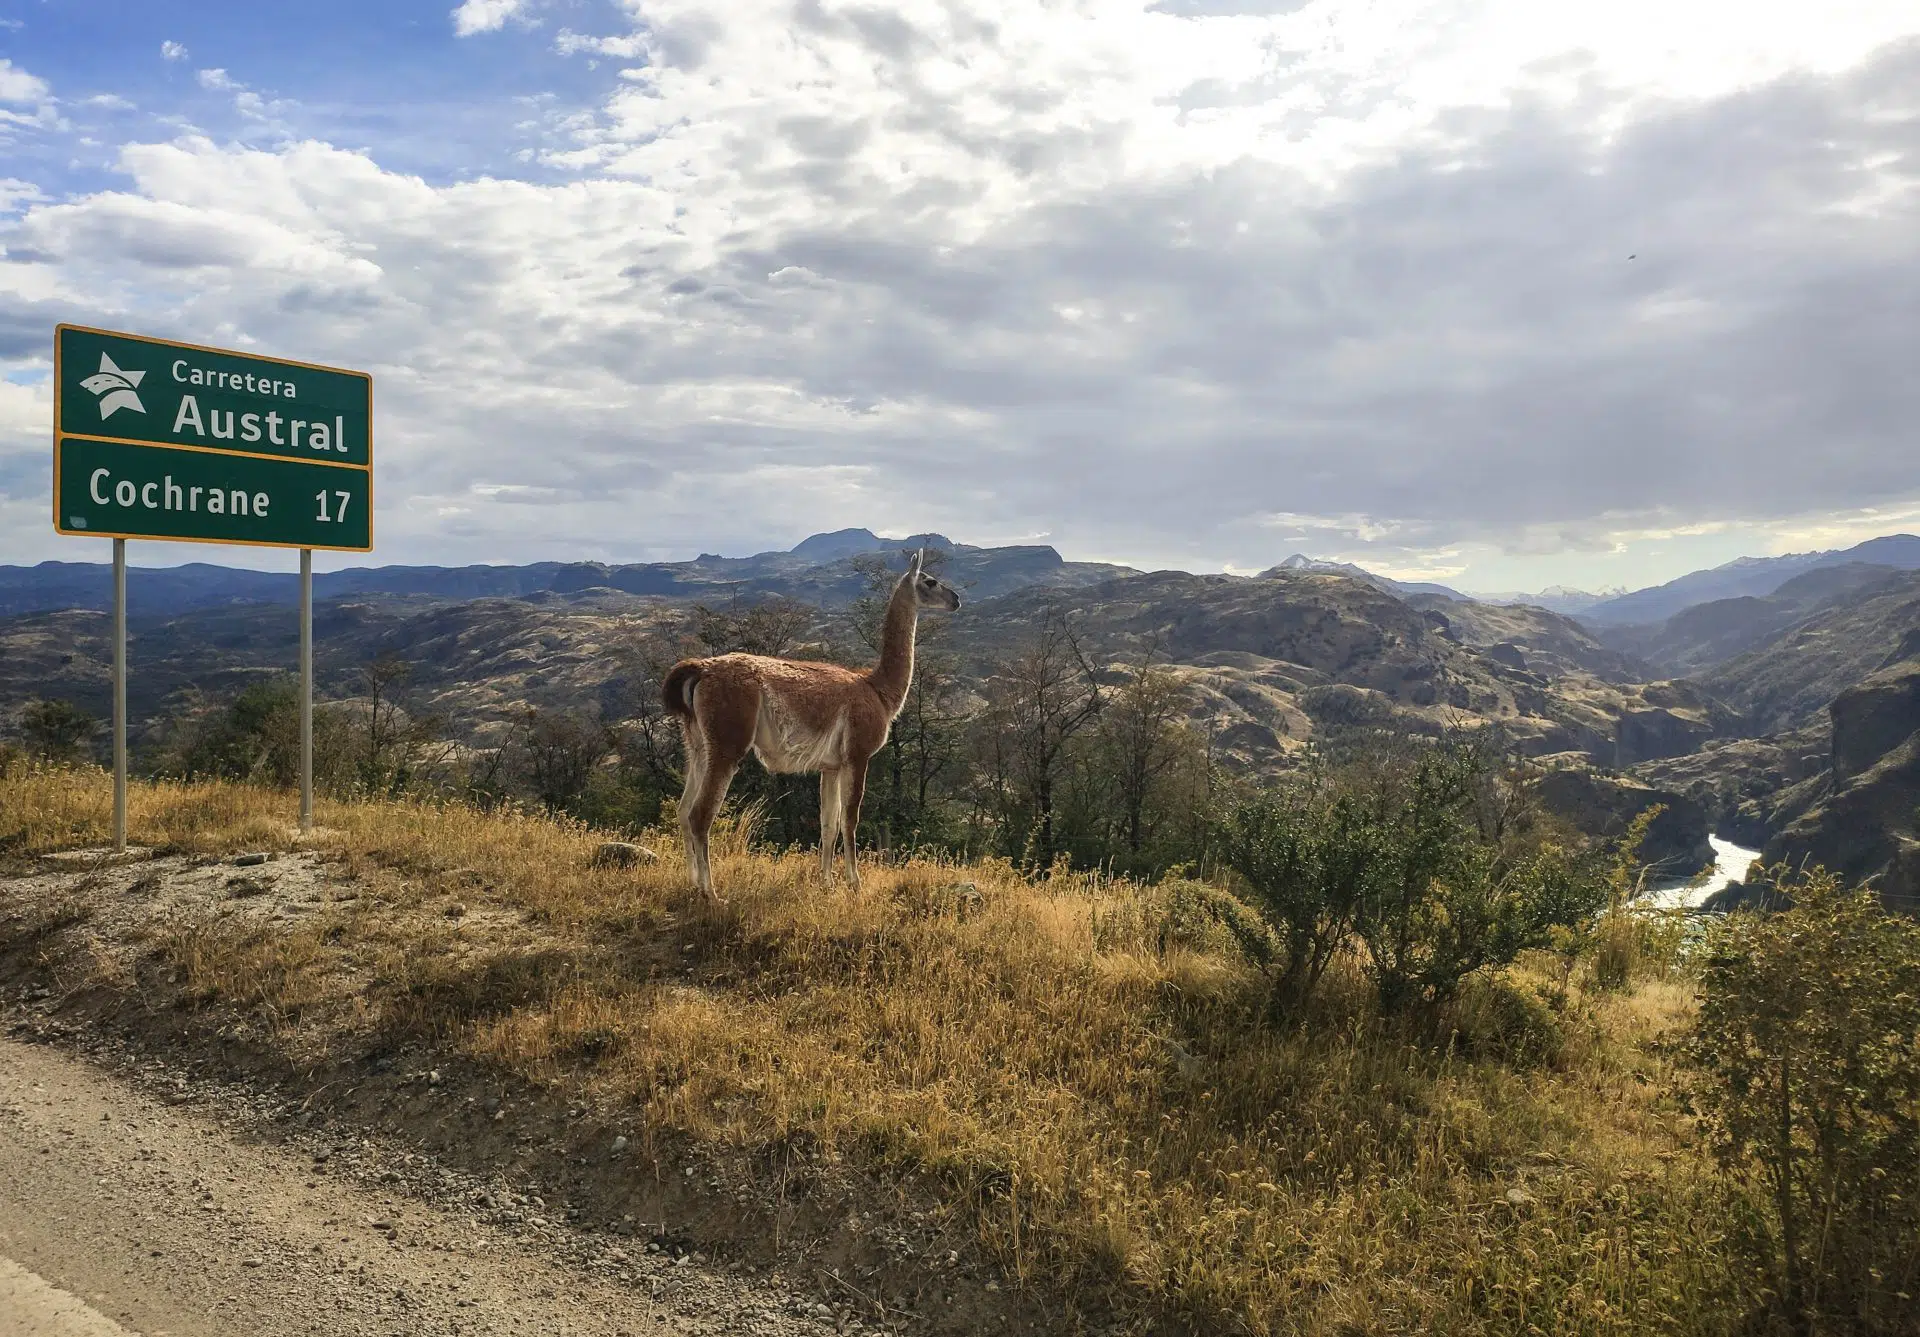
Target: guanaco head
column 929, row 591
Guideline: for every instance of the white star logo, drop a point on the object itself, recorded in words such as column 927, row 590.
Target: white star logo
column 115, row 388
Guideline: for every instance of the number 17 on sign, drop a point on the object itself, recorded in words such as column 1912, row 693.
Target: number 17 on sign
column 339, row 513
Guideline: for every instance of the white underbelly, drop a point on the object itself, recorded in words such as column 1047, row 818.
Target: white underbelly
column 786, row 746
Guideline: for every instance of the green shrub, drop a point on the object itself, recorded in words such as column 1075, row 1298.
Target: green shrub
column 1201, row 917
column 1466, row 877
column 1807, row 1048
column 1305, row 853
column 58, row 730
column 1433, row 861
column 1496, row 1018
column 1629, row 943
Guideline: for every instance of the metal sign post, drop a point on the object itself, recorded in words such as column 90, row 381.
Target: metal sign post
column 119, row 696
column 306, row 691
column 162, row 440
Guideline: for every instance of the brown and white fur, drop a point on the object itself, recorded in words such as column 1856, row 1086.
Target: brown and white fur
column 796, row 716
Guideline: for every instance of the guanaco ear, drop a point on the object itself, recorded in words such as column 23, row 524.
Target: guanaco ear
column 913, row 562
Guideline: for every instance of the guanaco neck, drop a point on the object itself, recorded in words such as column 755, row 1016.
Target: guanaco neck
column 894, row 673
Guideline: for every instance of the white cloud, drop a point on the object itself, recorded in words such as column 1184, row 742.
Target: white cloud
column 18, row 86
column 1185, row 290
column 246, row 100
column 171, row 50
column 14, row 193
column 570, row 43
column 478, row 16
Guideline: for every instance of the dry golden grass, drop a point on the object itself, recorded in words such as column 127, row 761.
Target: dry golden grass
column 45, row 808
column 1109, row 1110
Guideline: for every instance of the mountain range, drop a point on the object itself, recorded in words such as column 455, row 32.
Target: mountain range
column 1747, row 577
column 821, row 569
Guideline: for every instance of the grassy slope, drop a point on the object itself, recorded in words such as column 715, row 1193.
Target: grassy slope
column 1094, row 1094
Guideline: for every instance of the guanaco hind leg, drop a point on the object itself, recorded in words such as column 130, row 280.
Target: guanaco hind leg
column 699, row 815
column 711, row 762
column 689, row 795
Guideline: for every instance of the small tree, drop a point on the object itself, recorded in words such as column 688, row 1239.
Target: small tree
column 1465, row 878
column 1807, row 1049
column 1306, row 853
column 1037, row 703
column 1433, row 862
column 255, row 736
column 770, row 627
column 558, row 752
column 1143, row 736
column 57, row 730
column 646, row 738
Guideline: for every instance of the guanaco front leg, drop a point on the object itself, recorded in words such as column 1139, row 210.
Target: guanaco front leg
column 830, row 786
column 853, row 787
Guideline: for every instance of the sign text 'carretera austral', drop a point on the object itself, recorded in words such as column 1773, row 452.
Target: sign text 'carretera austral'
column 162, row 440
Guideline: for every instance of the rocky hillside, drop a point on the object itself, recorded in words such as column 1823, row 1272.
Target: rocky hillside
column 1788, row 682
column 1296, row 655
column 1743, row 784
column 1832, row 773
column 1861, row 816
column 1707, row 635
column 1745, row 577
column 1604, row 806
column 1536, row 639
column 474, row 663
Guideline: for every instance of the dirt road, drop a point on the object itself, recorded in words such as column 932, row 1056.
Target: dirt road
column 120, row 1212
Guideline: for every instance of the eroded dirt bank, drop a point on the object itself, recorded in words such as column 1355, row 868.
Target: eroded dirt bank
column 168, row 1165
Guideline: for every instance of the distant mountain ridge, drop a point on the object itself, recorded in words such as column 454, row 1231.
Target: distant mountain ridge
column 1561, row 599
column 1301, row 562
column 819, row 569
column 1747, row 576
column 1702, row 636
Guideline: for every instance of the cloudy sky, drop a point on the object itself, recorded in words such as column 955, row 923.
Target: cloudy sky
column 1498, row 292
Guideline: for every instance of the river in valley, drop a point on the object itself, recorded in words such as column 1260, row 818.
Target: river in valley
column 1730, row 864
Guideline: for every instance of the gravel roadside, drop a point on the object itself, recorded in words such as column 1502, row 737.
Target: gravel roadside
column 175, row 1222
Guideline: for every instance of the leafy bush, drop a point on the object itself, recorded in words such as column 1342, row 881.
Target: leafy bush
column 1200, row 917
column 1498, row 1019
column 1807, row 1047
column 1469, row 879
column 1434, row 862
column 1305, row 853
column 58, row 730
column 256, row 736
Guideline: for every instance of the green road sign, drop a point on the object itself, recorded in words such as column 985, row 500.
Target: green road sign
column 126, row 387
column 213, row 446
column 117, row 489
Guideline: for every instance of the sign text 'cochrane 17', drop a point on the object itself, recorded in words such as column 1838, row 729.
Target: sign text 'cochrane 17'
column 164, row 440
